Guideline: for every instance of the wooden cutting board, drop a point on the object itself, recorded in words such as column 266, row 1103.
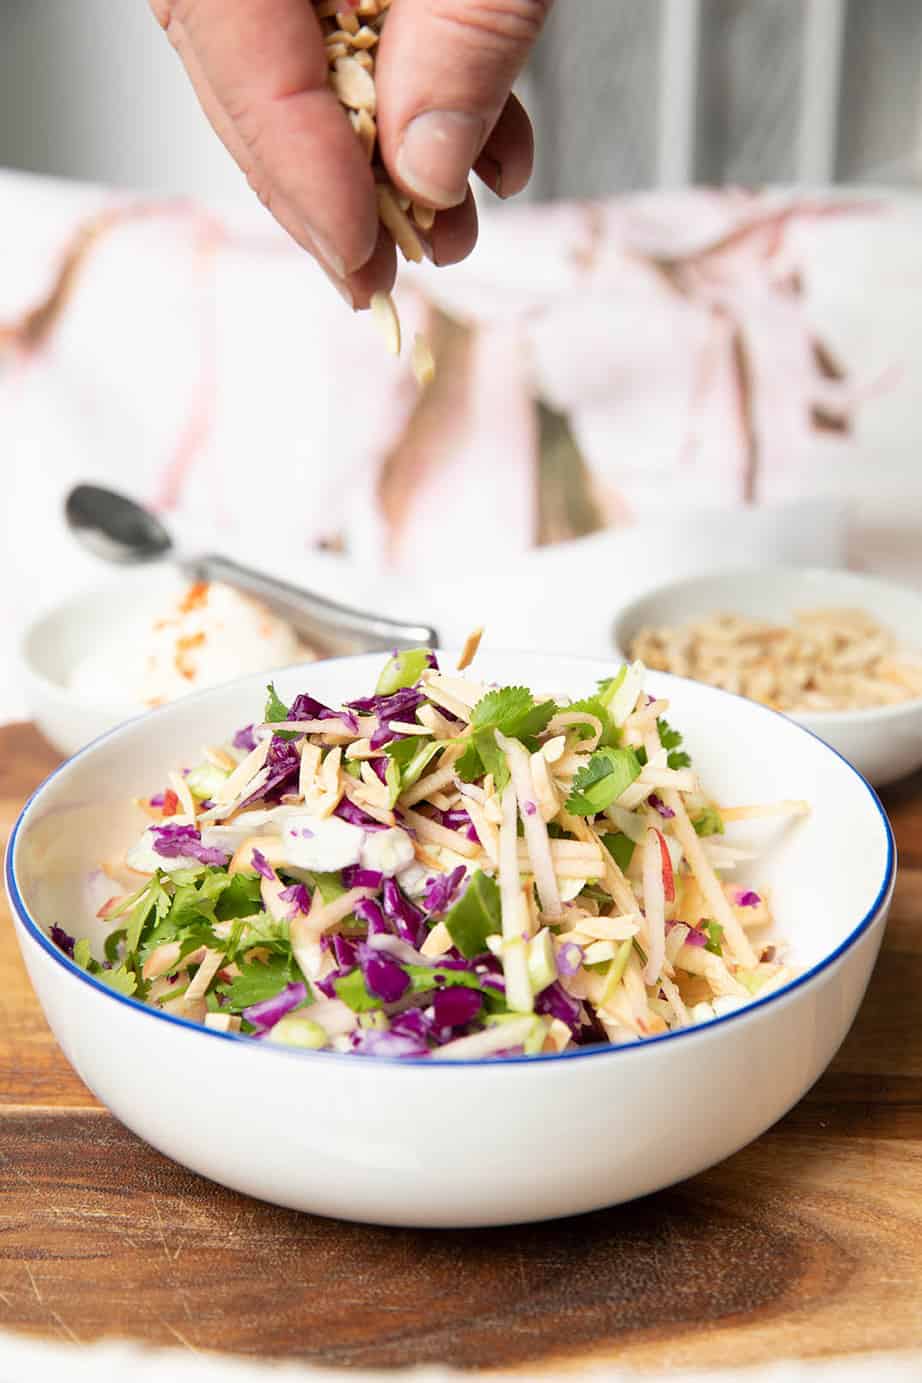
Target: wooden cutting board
column 808, row 1242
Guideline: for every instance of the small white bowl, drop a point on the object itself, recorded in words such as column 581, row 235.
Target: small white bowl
column 56, row 641
column 477, row 1143
column 883, row 742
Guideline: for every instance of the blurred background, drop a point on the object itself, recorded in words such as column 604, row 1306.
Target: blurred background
column 626, row 94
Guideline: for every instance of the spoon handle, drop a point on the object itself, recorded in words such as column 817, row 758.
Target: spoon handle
column 331, row 627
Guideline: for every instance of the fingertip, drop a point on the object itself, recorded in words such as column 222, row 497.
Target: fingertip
column 378, row 275
column 508, row 157
column 454, row 233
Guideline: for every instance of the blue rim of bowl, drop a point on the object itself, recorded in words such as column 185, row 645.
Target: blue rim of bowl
column 599, row 1051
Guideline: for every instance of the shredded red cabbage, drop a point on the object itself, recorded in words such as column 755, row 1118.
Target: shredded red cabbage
column 383, row 976
column 413, row 1022
column 173, row 840
column 262, row 865
column 283, row 763
column 569, row 958
column 267, row 1013
column 157, row 800
column 371, row 1042
column 345, row 953
column 440, row 891
column 696, row 938
column 367, row 910
column 400, row 705
column 354, row 876
column 245, row 739
column 396, row 706
column 408, row 920
column 660, row 806
column 457, row 820
column 299, row 896
column 559, row 1004
column 63, row 940
column 348, row 811
column 748, row 899
column 327, row 986
column 305, row 707
column 456, row 1007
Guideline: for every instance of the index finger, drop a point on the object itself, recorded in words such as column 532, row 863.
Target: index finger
column 266, row 64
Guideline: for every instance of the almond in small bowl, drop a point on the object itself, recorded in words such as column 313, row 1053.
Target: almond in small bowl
column 839, row 652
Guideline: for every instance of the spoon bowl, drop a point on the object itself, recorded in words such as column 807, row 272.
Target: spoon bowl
column 114, row 527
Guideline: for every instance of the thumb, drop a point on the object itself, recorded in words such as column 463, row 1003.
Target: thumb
column 444, row 74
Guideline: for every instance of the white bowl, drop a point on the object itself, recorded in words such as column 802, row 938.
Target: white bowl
column 55, row 642
column 883, row 742
column 478, row 1143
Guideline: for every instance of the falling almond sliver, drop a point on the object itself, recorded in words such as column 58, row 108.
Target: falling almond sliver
column 385, row 314
column 423, row 362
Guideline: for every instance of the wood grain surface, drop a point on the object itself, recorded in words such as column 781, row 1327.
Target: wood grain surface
column 809, row 1242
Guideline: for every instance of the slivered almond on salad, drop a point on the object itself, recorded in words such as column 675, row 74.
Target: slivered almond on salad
column 495, row 872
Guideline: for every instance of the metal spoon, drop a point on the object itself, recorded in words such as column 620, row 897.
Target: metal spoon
column 116, row 528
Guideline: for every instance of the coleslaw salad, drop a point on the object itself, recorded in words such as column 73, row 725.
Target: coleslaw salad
column 441, row 869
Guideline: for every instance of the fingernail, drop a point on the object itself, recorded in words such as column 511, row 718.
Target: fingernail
column 344, row 291
column 437, row 154
column 328, row 253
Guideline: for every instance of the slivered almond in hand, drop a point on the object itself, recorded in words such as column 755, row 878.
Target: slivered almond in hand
column 354, row 85
column 399, row 224
column 424, row 216
column 351, row 35
column 366, row 131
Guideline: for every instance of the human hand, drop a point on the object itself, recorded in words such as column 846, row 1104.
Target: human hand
column 444, row 75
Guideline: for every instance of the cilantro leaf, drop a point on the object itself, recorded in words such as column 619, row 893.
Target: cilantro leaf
column 602, row 781
column 470, row 765
column 259, row 980
column 671, row 739
column 154, row 901
column 621, row 848
column 122, row 980
column 493, row 759
column 112, row 944
column 514, row 712
column 502, row 709
column 275, row 711
column 529, row 726
column 240, row 897
column 709, row 822
column 197, row 937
